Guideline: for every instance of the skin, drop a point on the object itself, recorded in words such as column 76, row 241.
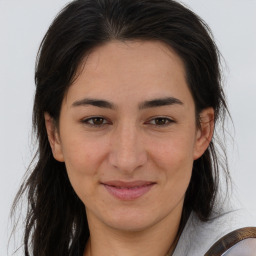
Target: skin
column 131, row 141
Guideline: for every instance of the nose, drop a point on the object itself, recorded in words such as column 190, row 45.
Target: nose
column 127, row 152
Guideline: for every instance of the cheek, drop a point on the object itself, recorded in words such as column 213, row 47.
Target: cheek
column 83, row 159
column 175, row 152
column 174, row 159
column 81, row 154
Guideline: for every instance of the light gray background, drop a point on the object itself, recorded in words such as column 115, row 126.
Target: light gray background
column 22, row 26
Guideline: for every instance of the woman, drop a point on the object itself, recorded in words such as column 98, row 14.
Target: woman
column 128, row 94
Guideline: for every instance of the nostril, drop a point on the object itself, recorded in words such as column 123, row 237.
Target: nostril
column 127, row 161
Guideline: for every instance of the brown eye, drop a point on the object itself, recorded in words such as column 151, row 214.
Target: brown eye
column 161, row 121
column 96, row 121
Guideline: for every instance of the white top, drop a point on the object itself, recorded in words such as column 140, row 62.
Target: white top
column 197, row 236
column 246, row 247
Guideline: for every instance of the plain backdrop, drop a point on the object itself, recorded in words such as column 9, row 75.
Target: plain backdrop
column 23, row 23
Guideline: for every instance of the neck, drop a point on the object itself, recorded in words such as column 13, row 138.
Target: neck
column 157, row 240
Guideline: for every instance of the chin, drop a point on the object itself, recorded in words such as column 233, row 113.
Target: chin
column 131, row 221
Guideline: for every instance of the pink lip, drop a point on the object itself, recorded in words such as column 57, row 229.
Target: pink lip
column 128, row 190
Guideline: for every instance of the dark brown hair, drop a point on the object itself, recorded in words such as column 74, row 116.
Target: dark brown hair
column 56, row 222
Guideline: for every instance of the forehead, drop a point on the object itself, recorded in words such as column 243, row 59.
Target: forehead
column 133, row 69
column 133, row 56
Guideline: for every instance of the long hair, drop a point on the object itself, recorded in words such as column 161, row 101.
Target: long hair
column 56, row 222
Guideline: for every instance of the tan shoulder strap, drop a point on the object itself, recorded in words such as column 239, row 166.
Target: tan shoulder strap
column 229, row 240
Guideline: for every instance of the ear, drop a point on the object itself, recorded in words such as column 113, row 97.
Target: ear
column 53, row 137
column 204, row 132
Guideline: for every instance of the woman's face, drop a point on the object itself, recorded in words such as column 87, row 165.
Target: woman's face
column 128, row 136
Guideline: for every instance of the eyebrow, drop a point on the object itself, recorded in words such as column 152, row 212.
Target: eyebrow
column 159, row 102
column 94, row 102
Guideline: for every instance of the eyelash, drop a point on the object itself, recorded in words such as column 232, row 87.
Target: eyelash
column 91, row 121
column 167, row 121
column 94, row 118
